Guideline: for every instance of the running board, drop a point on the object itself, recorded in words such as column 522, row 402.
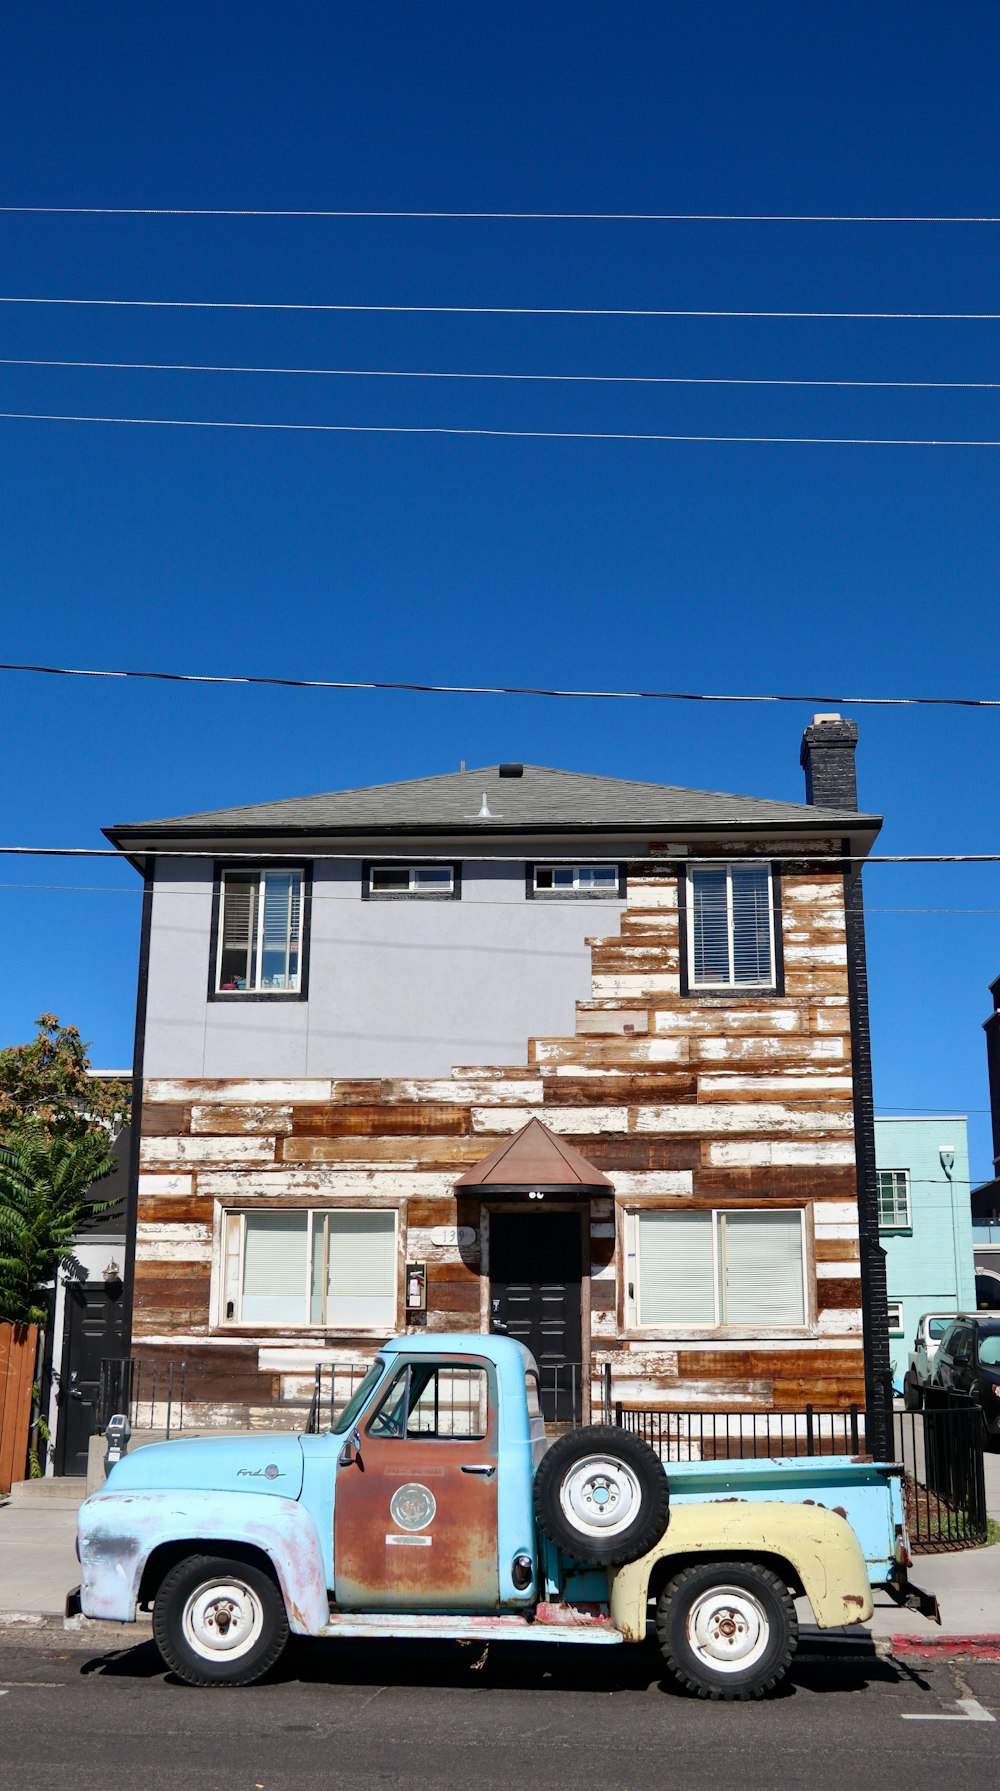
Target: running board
column 436, row 1628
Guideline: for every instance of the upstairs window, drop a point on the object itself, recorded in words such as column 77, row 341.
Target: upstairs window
column 259, row 932
column 893, row 1199
column 575, row 879
column 730, row 923
column 421, row 880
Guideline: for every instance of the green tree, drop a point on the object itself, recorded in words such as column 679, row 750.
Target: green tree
column 43, row 1183
column 46, row 1086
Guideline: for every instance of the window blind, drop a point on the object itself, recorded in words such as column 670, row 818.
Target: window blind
column 675, row 1269
column 751, row 899
column 761, row 1268
column 710, row 926
column 274, row 1268
column 730, row 935
column 361, row 1285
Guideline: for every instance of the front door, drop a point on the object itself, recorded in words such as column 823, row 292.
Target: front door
column 92, row 1331
column 415, row 1511
column 535, row 1269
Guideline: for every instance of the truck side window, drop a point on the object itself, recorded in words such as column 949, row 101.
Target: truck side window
column 435, row 1399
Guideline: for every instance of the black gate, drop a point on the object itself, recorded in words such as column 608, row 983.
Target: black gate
column 941, row 1449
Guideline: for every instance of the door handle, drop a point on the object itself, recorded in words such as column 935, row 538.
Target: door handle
column 486, row 1468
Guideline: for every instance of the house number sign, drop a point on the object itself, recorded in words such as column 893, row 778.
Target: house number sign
column 457, row 1236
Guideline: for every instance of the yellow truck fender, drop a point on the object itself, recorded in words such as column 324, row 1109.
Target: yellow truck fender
column 820, row 1548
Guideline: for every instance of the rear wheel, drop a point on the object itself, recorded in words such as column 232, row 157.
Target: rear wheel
column 601, row 1495
column 912, row 1397
column 727, row 1630
column 219, row 1622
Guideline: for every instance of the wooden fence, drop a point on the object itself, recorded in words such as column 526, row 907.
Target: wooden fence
column 18, row 1344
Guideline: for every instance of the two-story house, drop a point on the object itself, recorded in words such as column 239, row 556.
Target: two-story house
column 575, row 1057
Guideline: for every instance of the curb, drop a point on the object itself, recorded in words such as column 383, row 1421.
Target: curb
column 53, row 1623
column 906, row 1647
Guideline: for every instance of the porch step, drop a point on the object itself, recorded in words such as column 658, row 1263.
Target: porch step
column 59, row 1489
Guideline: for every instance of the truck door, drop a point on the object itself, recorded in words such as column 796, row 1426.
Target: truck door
column 415, row 1513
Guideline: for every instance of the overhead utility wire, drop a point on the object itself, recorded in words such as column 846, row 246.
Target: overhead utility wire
column 545, row 435
column 500, row 310
column 669, row 860
column 542, row 217
column 665, row 696
column 601, row 379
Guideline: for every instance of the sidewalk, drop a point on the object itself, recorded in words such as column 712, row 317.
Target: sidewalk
column 38, row 1566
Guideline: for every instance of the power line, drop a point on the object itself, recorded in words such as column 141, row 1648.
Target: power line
column 505, row 310
column 551, row 435
column 603, row 379
column 665, row 696
column 543, row 217
column 667, row 860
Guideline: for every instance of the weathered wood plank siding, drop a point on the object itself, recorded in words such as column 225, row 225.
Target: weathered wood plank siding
column 682, row 1100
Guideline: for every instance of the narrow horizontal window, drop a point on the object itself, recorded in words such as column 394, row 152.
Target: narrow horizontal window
column 716, row 1268
column 259, row 932
column 411, row 880
column 895, row 1315
column 730, row 927
column 576, row 879
column 331, row 1268
column 893, row 1199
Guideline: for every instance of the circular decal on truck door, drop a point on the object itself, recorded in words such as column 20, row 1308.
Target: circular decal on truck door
column 412, row 1506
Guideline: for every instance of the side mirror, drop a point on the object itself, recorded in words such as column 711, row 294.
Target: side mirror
column 351, row 1452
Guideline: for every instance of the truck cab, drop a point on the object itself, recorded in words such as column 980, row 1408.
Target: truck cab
column 437, row 1505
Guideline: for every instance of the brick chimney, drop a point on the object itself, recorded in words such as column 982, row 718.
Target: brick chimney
column 827, row 758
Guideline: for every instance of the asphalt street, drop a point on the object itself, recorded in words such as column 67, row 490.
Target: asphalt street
column 445, row 1718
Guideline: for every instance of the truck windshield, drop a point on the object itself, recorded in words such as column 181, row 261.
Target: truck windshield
column 358, row 1400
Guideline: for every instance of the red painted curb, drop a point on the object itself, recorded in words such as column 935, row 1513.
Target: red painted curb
column 938, row 1647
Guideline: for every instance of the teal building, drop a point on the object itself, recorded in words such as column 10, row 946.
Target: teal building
column 925, row 1223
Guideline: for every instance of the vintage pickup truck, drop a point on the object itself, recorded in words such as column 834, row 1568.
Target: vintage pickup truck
column 437, row 1507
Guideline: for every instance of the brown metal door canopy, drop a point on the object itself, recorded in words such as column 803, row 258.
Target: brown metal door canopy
column 534, row 1161
column 415, row 1517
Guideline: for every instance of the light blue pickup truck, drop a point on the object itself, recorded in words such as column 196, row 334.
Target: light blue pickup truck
column 436, row 1506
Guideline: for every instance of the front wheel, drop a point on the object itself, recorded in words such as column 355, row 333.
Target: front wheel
column 219, row 1622
column 912, row 1397
column 727, row 1630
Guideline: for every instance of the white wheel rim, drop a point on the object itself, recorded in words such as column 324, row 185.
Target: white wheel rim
column 600, row 1496
column 223, row 1618
column 728, row 1629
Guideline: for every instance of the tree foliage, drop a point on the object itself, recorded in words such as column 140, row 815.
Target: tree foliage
column 46, row 1086
column 43, row 1182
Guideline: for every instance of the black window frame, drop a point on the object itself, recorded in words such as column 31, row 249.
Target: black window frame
column 242, row 996
column 740, row 992
column 368, row 894
column 618, row 894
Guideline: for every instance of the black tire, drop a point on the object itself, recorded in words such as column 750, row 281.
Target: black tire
column 251, row 1592
column 601, row 1495
column 912, row 1396
column 764, row 1629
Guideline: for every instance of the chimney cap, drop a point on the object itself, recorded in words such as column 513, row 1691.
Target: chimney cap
column 817, row 720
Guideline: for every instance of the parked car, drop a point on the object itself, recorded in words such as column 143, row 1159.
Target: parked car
column 968, row 1362
column 987, row 1290
column 931, row 1327
column 437, row 1507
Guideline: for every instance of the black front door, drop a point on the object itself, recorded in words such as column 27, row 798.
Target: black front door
column 92, row 1331
column 535, row 1268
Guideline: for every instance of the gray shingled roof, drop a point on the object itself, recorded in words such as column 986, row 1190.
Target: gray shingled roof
column 541, row 798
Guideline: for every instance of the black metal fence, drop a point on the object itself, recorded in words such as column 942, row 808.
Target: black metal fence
column 334, row 1384
column 731, row 1436
column 941, row 1449
column 149, row 1392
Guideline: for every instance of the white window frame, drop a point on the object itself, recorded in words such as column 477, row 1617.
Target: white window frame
column 694, row 985
column 262, row 873
column 896, row 1224
column 413, row 888
column 577, row 888
column 629, row 1254
column 895, row 1309
column 230, row 1270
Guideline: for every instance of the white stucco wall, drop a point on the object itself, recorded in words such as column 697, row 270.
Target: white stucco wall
column 396, row 988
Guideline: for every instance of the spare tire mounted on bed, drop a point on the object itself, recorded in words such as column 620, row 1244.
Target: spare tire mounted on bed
column 601, row 1495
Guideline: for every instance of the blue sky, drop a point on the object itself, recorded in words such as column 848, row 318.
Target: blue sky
column 713, row 567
